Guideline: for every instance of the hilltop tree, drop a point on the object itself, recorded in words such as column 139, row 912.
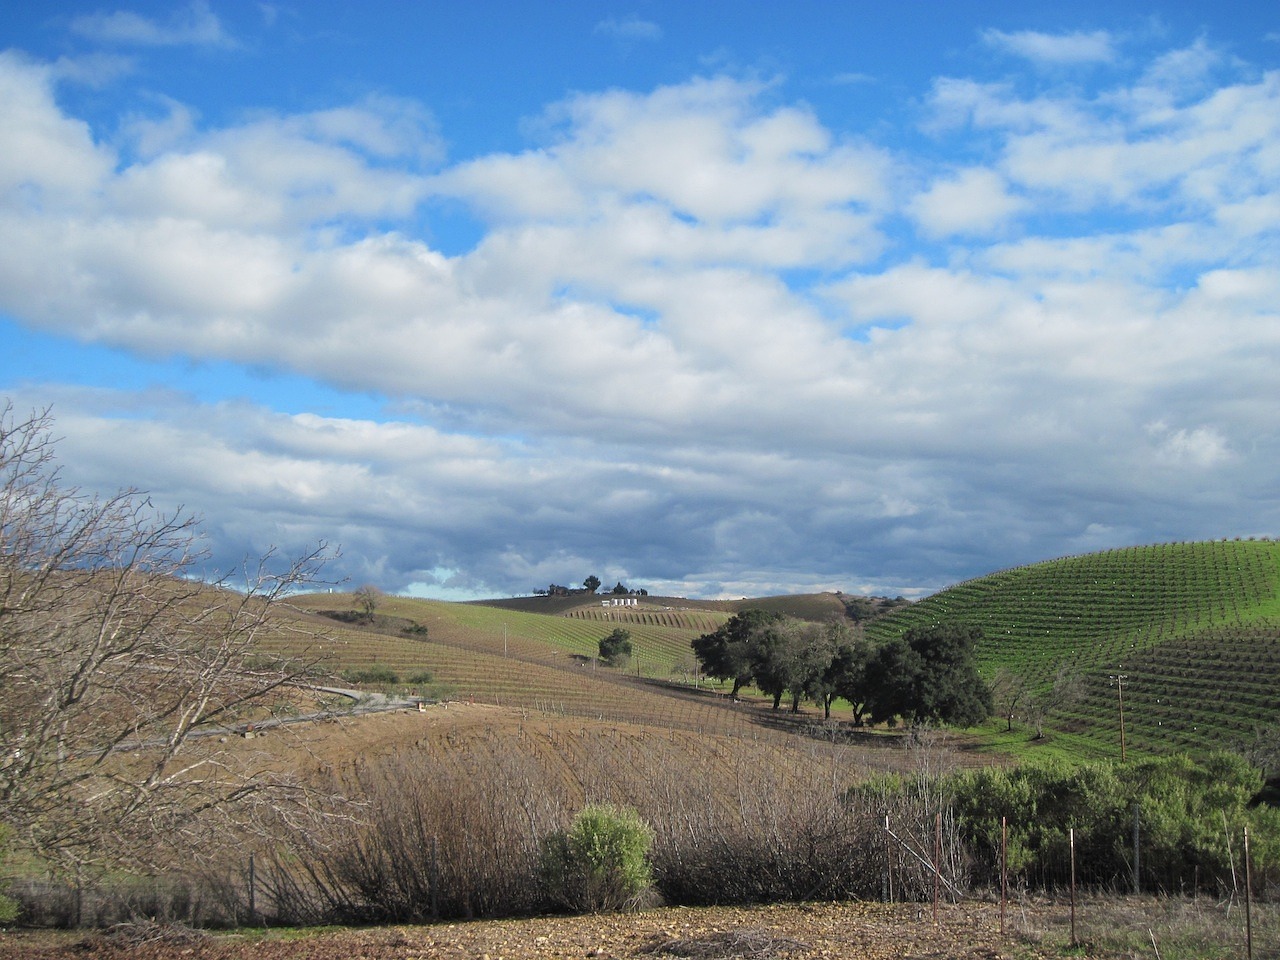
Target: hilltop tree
column 114, row 656
column 728, row 652
column 592, row 583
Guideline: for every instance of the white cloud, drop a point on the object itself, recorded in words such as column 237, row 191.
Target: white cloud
column 974, row 201
column 193, row 25
column 698, row 337
column 1202, row 447
column 1055, row 48
column 629, row 28
column 48, row 158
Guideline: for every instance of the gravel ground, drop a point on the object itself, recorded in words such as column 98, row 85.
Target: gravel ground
column 864, row 931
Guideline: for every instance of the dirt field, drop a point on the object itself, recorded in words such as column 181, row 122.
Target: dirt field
column 845, row 930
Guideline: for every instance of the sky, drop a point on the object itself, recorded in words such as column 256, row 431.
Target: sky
column 717, row 299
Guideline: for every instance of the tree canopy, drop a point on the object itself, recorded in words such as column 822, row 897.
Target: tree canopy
column 728, row 653
column 615, row 649
column 926, row 675
column 929, row 674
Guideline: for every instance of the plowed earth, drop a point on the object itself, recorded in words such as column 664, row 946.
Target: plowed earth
column 864, row 931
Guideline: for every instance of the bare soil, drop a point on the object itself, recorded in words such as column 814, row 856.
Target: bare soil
column 866, row 931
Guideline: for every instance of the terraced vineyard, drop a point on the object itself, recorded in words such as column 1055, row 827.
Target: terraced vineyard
column 1193, row 628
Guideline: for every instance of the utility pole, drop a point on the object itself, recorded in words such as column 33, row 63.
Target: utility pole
column 1119, row 680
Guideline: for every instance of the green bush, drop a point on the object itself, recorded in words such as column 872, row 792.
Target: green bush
column 1188, row 810
column 615, row 649
column 377, row 673
column 601, row 863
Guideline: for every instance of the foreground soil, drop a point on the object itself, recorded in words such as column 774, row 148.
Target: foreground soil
column 865, row 931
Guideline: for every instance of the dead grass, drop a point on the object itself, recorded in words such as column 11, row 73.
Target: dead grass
column 746, row 943
column 1167, row 928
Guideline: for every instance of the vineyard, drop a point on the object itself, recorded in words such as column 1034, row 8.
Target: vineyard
column 1190, row 630
column 533, row 661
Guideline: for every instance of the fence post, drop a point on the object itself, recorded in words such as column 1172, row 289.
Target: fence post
column 1248, row 912
column 1072, row 836
column 1004, row 868
column 888, row 862
column 1137, row 851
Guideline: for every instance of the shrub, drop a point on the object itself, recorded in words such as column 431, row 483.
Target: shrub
column 601, row 862
column 1188, row 811
column 615, row 649
column 377, row 673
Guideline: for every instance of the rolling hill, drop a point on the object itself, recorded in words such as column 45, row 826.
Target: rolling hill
column 1191, row 631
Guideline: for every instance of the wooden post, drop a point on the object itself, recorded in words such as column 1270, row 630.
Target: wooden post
column 1137, row 851
column 1120, row 693
column 1004, row 868
column 888, row 861
column 1072, row 836
column 1248, row 898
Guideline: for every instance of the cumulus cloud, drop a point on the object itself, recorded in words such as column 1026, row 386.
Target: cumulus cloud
column 704, row 341
column 973, row 201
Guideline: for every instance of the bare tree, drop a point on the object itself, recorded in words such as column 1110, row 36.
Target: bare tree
column 367, row 599
column 115, row 660
column 1010, row 693
column 1068, row 688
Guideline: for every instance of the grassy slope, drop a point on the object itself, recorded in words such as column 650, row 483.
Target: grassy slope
column 539, row 661
column 1194, row 627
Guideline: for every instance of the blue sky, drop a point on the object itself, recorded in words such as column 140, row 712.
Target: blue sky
column 717, row 299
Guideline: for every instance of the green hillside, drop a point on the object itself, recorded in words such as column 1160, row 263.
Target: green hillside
column 1193, row 628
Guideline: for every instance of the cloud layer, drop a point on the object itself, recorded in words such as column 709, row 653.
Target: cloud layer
column 706, row 342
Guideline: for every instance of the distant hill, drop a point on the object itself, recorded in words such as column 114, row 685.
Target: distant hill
column 804, row 606
column 1193, row 628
